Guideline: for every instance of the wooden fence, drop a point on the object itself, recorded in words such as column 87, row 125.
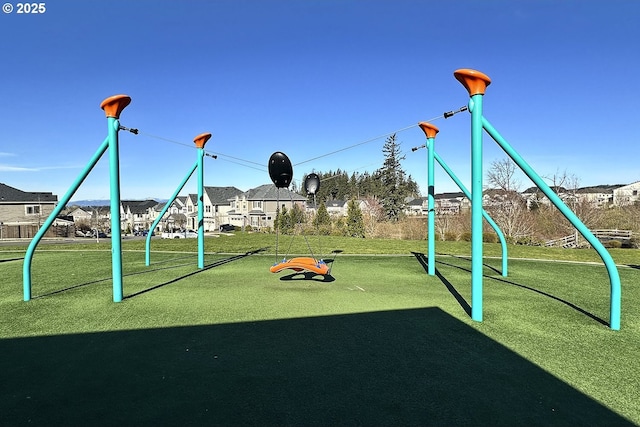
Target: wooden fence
column 27, row 231
column 573, row 240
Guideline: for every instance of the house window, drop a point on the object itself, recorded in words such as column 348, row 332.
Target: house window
column 257, row 204
column 189, row 208
column 207, row 209
column 32, row 210
column 635, row 193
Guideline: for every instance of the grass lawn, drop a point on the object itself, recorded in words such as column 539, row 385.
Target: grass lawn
column 379, row 342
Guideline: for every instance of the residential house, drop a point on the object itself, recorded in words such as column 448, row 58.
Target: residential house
column 258, row 206
column 599, row 195
column 627, row 194
column 191, row 206
column 81, row 214
column 336, row 207
column 417, row 206
column 217, row 204
column 136, row 214
column 23, row 212
column 444, row 203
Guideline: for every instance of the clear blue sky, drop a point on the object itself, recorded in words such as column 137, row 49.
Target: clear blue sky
column 309, row 78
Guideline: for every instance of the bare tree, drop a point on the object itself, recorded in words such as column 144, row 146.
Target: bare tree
column 373, row 213
column 502, row 175
column 506, row 205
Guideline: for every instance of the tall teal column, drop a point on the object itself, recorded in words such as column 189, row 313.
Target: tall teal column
column 200, row 141
column 430, row 131
column 112, row 107
column 475, row 82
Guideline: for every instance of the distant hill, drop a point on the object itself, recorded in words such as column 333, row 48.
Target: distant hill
column 101, row 202
column 106, row 202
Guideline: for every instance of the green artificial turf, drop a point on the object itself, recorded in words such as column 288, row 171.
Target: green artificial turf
column 378, row 342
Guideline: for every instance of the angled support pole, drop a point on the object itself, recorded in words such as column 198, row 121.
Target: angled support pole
column 612, row 270
column 485, row 215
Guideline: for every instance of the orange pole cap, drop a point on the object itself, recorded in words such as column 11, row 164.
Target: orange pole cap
column 114, row 105
column 474, row 81
column 429, row 129
column 201, row 139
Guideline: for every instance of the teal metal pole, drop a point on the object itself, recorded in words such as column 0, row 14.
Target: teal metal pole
column 112, row 107
column 476, row 83
column 430, row 131
column 26, row 266
column 164, row 210
column 200, row 208
column 614, row 277
column 200, row 142
column 116, row 240
column 431, row 206
column 475, row 106
column 485, row 215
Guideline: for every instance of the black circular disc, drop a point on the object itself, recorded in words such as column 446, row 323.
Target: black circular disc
column 312, row 183
column 280, row 170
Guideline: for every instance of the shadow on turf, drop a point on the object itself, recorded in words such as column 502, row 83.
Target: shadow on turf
column 308, row 275
column 423, row 261
column 386, row 368
column 151, row 270
column 214, row 264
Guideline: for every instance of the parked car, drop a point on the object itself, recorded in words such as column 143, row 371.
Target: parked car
column 95, row 234
column 227, row 228
column 182, row 234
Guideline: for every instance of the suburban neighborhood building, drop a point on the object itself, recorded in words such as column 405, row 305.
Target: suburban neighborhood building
column 258, row 206
column 627, row 194
column 22, row 212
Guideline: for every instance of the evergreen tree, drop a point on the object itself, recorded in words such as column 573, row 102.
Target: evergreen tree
column 355, row 220
column 393, row 180
column 296, row 216
column 322, row 220
column 283, row 221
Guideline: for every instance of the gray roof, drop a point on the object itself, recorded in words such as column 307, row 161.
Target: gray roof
column 270, row 192
column 221, row 195
column 335, row 203
column 138, row 206
column 10, row 194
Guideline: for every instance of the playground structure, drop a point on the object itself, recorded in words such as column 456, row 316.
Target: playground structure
column 200, row 142
column 112, row 107
column 430, row 131
column 476, row 83
column 281, row 173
